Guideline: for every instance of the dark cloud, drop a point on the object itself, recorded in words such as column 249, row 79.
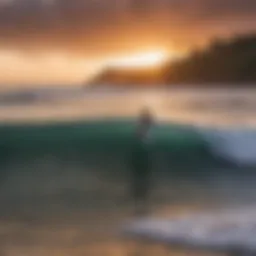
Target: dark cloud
column 99, row 26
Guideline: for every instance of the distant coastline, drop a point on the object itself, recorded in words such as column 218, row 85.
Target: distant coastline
column 225, row 62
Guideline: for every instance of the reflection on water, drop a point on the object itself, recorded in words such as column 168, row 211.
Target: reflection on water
column 212, row 107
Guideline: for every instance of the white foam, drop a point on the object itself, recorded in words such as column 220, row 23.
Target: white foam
column 237, row 145
column 224, row 231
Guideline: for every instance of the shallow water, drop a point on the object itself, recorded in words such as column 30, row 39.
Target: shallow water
column 60, row 200
column 52, row 207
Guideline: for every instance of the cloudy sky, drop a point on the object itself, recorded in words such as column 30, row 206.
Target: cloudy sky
column 65, row 41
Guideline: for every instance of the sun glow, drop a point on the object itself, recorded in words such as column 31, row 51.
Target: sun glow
column 142, row 60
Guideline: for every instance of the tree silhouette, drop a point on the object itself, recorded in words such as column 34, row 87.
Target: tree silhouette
column 229, row 61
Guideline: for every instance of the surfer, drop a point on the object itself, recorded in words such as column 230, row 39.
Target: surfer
column 141, row 162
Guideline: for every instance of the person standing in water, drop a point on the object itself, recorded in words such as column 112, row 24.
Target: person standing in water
column 141, row 162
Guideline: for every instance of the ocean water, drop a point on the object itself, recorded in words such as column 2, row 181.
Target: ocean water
column 64, row 163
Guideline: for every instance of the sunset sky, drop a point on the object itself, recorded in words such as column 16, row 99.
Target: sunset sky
column 66, row 41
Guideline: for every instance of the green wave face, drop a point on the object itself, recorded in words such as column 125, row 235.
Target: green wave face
column 100, row 139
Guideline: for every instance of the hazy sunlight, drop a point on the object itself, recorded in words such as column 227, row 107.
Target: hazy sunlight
column 151, row 59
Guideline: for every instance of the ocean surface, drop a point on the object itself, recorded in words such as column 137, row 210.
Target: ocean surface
column 64, row 163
